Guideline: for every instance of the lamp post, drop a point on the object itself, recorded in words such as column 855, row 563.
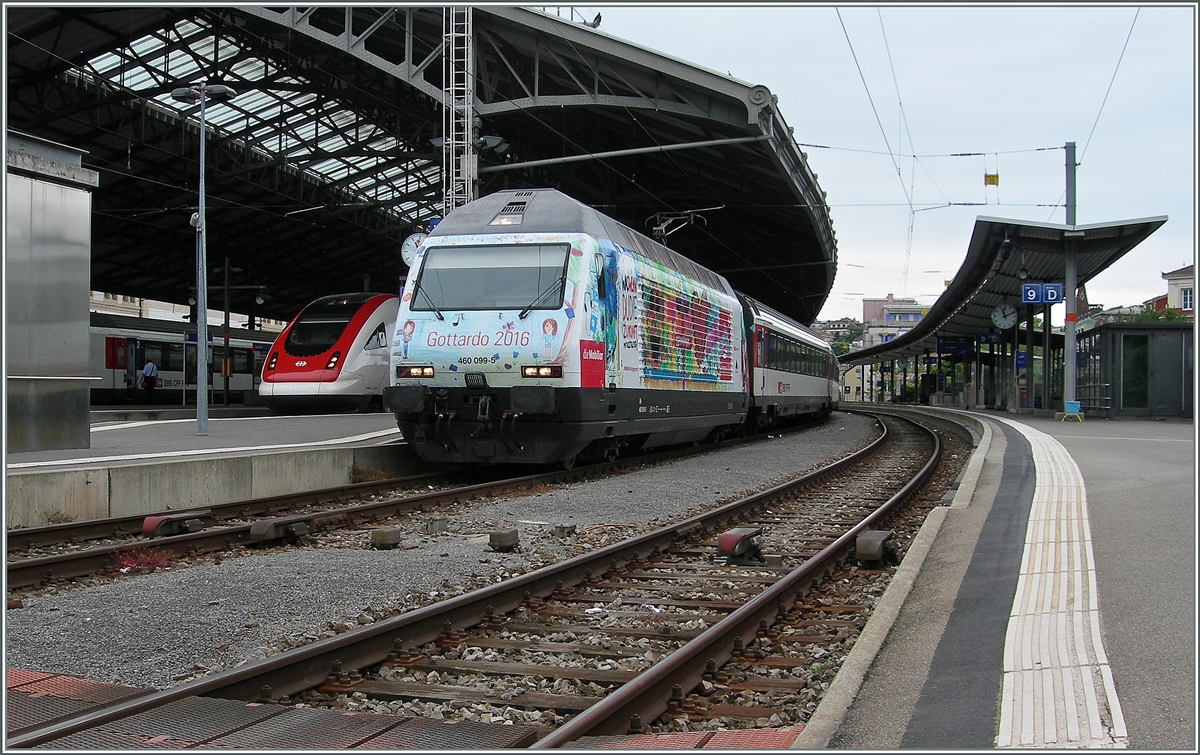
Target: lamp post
column 259, row 298
column 201, row 93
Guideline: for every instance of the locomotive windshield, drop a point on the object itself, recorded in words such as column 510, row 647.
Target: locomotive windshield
column 321, row 323
column 492, row 277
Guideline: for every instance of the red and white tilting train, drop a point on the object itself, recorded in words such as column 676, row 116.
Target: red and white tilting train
column 332, row 357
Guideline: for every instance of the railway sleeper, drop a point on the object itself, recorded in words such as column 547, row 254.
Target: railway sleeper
column 712, row 605
column 490, row 668
column 656, row 633
column 546, row 646
column 390, row 690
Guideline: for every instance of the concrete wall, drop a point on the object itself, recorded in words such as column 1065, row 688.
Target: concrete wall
column 41, row 497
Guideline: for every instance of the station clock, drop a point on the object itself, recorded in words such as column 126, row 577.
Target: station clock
column 1004, row 316
column 408, row 249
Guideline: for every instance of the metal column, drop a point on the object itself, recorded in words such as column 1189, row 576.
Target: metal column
column 201, row 294
column 1046, row 358
column 459, row 162
column 1070, row 281
column 1029, row 357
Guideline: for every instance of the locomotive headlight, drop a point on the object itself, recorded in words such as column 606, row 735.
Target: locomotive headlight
column 274, row 359
column 543, row 371
column 333, row 360
column 415, row 372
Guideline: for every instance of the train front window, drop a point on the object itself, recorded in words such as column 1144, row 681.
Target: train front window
column 321, row 323
column 492, row 277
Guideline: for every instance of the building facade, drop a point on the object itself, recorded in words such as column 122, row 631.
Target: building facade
column 1181, row 289
column 886, row 319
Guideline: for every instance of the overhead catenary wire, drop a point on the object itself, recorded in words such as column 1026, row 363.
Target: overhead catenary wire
column 1104, row 101
column 871, row 100
column 902, row 128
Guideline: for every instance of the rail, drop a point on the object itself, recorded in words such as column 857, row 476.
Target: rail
column 309, row 666
column 647, row 695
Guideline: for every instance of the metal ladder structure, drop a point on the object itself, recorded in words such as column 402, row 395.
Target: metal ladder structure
column 460, row 167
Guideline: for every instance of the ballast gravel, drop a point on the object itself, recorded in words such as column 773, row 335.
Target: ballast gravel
column 165, row 627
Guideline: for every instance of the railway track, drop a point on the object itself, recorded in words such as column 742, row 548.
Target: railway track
column 649, row 631
column 173, row 534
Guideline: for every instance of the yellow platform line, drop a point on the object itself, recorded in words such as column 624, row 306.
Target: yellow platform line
column 1057, row 688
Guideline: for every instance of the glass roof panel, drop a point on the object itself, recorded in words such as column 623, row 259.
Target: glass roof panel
column 277, row 112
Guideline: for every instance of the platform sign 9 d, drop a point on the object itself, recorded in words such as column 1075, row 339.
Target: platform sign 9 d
column 1041, row 293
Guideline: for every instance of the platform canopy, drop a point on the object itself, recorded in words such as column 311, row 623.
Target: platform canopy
column 1003, row 254
column 328, row 158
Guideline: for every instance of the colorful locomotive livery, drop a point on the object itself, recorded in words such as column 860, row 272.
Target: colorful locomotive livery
column 574, row 335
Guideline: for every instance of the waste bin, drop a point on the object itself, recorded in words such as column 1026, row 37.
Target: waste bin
column 1071, row 407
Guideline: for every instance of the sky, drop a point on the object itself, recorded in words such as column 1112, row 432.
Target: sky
column 1014, row 83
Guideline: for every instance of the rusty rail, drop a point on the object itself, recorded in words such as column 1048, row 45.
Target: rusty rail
column 646, row 696
column 308, row 666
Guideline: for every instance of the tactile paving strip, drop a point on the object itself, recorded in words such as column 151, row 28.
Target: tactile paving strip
column 1057, row 690
column 428, row 734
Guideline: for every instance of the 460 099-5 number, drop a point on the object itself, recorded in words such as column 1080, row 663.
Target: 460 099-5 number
column 477, row 360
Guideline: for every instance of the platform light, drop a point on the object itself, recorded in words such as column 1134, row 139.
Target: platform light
column 201, row 93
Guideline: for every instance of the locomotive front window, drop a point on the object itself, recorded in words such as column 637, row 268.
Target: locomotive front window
column 321, row 323
column 492, row 277
column 315, row 334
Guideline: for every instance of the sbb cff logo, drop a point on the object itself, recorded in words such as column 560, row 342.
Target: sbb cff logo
column 302, row 363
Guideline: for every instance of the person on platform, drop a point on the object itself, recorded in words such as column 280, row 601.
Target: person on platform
column 149, row 380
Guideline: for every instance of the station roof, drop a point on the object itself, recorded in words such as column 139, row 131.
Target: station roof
column 1002, row 255
column 326, row 159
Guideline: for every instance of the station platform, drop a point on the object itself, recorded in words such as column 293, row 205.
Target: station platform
column 1050, row 605
column 147, row 459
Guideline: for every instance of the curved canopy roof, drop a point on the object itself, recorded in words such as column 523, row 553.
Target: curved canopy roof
column 991, row 275
column 326, row 159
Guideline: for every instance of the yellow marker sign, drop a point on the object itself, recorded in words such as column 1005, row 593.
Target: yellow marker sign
column 991, row 179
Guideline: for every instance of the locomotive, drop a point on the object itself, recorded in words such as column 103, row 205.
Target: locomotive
column 332, row 357
column 534, row 329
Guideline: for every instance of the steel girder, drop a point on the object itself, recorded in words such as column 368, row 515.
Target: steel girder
column 324, row 162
